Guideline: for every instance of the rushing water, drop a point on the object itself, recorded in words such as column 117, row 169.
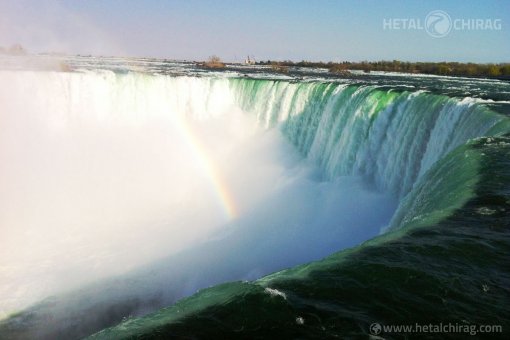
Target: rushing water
column 129, row 184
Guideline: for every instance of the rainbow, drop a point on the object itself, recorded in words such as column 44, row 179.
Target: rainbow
column 199, row 153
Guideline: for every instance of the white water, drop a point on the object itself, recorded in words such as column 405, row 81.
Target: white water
column 389, row 138
column 102, row 173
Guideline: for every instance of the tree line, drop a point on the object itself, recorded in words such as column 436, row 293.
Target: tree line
column 436, row 68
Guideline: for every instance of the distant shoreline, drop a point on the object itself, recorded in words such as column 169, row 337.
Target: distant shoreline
column 499, row 71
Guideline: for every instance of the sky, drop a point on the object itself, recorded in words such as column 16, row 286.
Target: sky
column 327, row 30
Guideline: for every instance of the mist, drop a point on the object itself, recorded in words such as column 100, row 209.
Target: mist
column 51, row 26
column 105, row 175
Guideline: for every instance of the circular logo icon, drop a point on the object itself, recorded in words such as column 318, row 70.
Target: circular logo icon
column 375, row 328
column 438, row 24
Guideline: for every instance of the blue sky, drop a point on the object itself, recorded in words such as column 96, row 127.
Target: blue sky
column 296, row 30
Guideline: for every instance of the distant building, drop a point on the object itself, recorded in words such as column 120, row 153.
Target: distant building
column 249, row 61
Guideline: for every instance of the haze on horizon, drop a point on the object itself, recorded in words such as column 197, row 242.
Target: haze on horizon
column 297, row 30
